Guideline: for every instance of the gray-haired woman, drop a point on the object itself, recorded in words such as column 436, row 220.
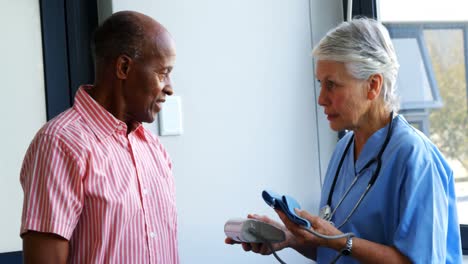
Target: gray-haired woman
column 386, row 183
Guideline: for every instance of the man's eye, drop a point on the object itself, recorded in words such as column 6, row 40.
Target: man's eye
column 329, row 85
column 162, row 76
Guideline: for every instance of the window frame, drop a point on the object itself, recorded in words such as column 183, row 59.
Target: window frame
column 401, row 30
column 463, row 26
column 416, row 31
column 372, row 5
column 420, row 117
column 67, row 28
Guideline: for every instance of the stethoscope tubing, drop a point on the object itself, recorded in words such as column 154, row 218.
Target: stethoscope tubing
column 371, row 182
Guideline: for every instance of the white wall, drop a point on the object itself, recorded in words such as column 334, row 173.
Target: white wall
column 245, row 75
column 22, row 106
column 324, row 15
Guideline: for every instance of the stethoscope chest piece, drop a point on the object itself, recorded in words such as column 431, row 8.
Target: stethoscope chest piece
column 326, row 213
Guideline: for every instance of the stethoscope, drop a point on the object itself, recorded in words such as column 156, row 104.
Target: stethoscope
column 326, row 211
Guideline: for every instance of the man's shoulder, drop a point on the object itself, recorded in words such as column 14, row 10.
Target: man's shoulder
column 62, row 124
column 68, row 128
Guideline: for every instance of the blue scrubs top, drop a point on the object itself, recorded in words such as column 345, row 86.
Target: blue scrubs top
column 412, row 204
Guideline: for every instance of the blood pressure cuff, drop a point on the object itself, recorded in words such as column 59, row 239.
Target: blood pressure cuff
column 286, row 204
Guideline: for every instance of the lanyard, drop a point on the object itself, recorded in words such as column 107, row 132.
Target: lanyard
column 326, row 212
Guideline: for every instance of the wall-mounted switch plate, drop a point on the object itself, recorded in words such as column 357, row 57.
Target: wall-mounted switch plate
column 170, row 117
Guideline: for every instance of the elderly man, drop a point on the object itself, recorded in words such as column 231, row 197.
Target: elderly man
column 98, row 187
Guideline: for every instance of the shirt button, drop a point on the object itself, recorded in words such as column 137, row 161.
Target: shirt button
column 152, row 234
column 145, row 191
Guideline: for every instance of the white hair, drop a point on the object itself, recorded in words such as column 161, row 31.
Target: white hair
column 364, row 46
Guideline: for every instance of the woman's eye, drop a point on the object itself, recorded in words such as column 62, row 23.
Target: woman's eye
column 329, row 85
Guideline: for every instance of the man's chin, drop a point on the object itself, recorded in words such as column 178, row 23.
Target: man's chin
column 150, row 119
column 151, row 115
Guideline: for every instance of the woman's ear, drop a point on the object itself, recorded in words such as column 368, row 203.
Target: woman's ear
column 122, row 66
column 375, row 83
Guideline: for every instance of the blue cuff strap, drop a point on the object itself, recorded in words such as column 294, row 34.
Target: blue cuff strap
column 286, row 204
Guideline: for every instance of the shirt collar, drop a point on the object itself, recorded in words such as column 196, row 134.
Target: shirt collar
column 101, row 122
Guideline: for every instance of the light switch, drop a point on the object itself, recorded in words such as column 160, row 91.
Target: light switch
column 170, row 117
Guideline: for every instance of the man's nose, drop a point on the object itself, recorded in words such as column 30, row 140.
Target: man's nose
column 168, row 89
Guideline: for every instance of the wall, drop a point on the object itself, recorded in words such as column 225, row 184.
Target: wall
column 245, row 76
column 324, row 15
column 244, row 73
column 22, row 104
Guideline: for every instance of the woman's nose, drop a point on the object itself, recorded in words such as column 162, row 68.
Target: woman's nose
column 322, row 98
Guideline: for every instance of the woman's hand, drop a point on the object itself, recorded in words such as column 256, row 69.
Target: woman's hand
column 262, row 248
column 305, row 242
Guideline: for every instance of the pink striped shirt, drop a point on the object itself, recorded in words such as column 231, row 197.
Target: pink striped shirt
column 112, row 195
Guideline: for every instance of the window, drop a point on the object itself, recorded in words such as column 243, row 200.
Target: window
column 436, row 38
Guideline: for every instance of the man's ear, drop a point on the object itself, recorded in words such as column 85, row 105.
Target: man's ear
column 123, row 65
column 375, row 83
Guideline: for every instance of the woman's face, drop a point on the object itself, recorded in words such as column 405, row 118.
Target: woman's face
column 343, row 97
